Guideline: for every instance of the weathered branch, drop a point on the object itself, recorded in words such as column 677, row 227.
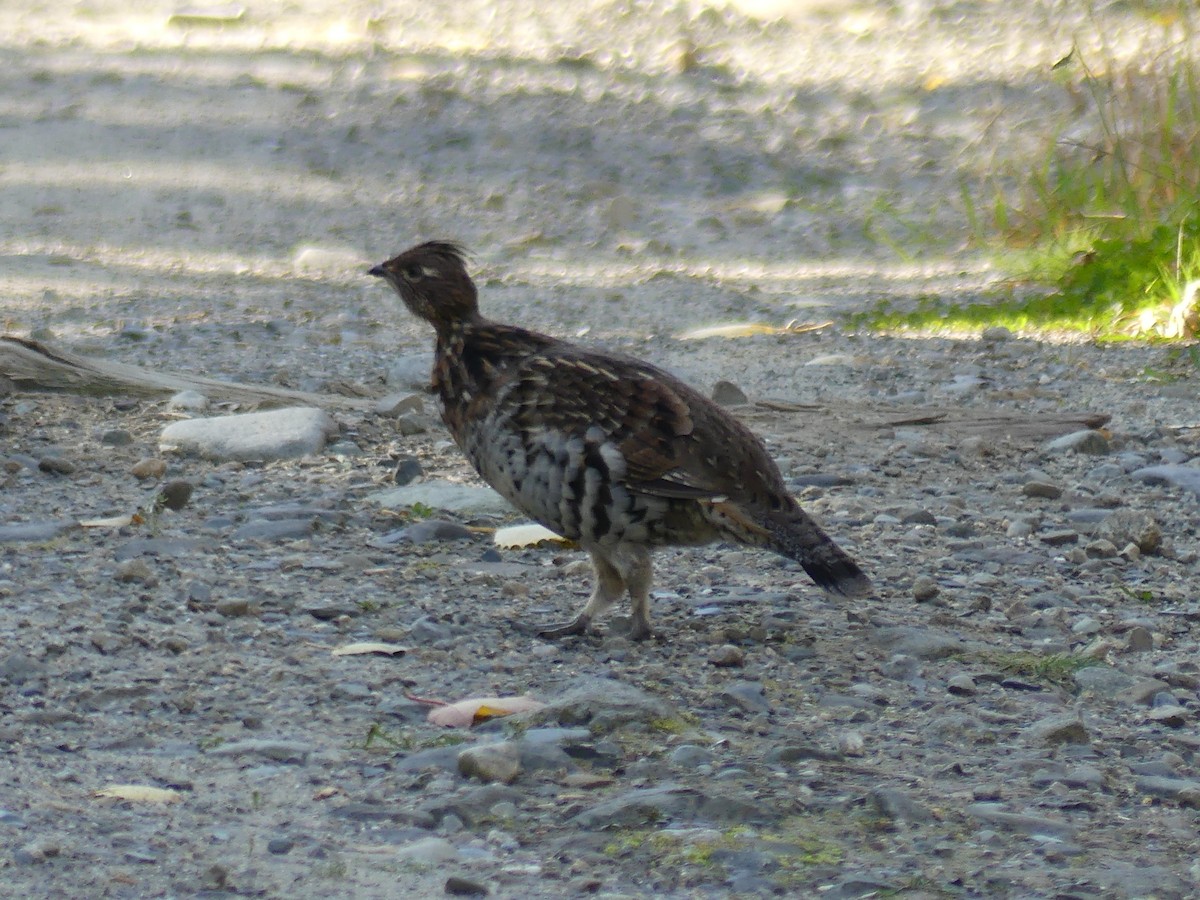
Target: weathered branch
column 34, row 366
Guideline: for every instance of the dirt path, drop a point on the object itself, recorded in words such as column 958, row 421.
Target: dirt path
column 203, row 194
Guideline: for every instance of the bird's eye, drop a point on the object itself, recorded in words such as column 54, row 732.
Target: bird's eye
column 413, row 273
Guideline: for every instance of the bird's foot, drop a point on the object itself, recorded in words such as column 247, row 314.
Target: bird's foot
column 578, row 625
column 634, row 628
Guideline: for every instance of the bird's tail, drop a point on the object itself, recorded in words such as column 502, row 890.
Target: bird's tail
column 795, row 535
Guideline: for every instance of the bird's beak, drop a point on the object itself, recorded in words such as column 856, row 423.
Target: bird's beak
column 378, row 272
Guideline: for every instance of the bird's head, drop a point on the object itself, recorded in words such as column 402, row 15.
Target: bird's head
column 432, row 280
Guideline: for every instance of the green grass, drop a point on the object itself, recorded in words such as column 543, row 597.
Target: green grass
column 1055, row 668
column 1101, row 229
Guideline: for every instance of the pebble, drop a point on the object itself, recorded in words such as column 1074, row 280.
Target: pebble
column 727, row 656
column 690, row 756
column 1185, row 477
column 408, row 470
column 603, row 704
column 56, row 465
column 116, row 437
column 995, row 814
column 924, row 589
column 1058, row 730
column 962, row 685
column 148, row 468
column 280, row 530
column 430, row 851
column 491, row 762
column 410, row 371
column 1041, row 489
column 266, row 436
column 188, row 401
column 1123, row 526
column 745, row 695
column 135, row 571
column 1088, row 442
column 726, row 393
column 1183, row 791
column 275, row 750
column 1140, row 640
column 459, row 886
column 280, row 846
column 899, row 806
column 395, row 405
column 232, row 607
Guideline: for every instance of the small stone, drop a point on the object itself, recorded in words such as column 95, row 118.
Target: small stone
column 459, row 498
column 1185, row 477
column 37, row 852
column 148, row 468
column 430, row 851
column 1171, row 716
column 961, row 685
column 727, row 656
column 897, row 805
column 56, row 465
column 995, row 334
column 851, row 743
column 1131, row 527
column 1059, row 730
column 745, row 695
column 1100, row 549
column 726, row 393
column 1140, row 640
column 116, row 437
column 1058, row 538
column 1182, row 791
column 395, row 405
column 188, row 401
column 1085, row 626
column 458, row 886
column 1089, row 442
column 1041, row 489
column 924, row 589
column 280, row 846
column 233, row 607
column 408, row 470
column 275, row 750
column 690, row 756
column 491, row 762
column 174, row 495
column 135, row 571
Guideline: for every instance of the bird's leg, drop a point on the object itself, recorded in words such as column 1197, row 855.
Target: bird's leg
column 638, row 576
column 609, row 588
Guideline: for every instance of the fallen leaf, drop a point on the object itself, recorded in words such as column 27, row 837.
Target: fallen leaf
column 466, row 713
column 138, row 793
column 519, row 537
column 364, row 647
column 110, row 522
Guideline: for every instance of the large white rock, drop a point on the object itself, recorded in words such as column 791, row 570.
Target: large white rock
column 277, row 434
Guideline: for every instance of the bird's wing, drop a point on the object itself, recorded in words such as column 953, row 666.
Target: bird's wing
column 672, row 443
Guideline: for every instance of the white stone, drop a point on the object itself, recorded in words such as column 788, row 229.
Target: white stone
column 277, row 434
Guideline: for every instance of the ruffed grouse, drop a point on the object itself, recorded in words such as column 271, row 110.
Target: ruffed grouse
column 604, row 449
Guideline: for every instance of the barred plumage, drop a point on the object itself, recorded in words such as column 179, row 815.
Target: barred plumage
column 605, row 449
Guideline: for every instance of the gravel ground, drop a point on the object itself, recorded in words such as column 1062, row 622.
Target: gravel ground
column 1014, row 715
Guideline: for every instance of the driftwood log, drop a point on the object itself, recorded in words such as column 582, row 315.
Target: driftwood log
column 29, row 365
column 35, row 366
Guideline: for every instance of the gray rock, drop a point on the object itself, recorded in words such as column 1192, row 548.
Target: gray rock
column 996, row 334
column 411, row 371
column 395, row 405
column 745, row 695
column 1128, row 526
column 459, row 886
column 1044, row 489
column 188, row 401
column 995, row 814
column 460, row 498
column 897, row 805
column 276, row 750
column 726, row 393
column 278, row 530
column 962, row 684
column 430, row 852
column 1089, row 442
column 491, row 762
column 647, row 806
column 924, row 589
column 1103, row 681
column 17, row 668
column 56, row 465
column 1140, row 640
column 1059, row 730
column 407, row 471
column 1059, row 537
column 690, row 756
column 1186, row 477
column 923, row 643
column 433, row 758
column 277, row 434
column 603, row 704
column 280, row 846
column 473, row 805
column 428, row 630
column 1183, row 791
column 35, row 531
column 425, row 532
